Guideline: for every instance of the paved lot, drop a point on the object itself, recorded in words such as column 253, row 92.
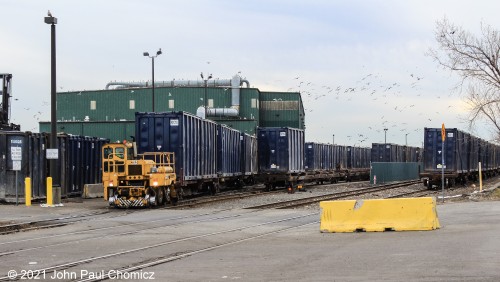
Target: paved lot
column 466, row 248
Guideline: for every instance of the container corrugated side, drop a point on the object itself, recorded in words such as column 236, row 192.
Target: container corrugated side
column 249, row 154
column 73, row 170
column 192, row 140
column 319, row 157
column 456, row 151
column 228, row 151
column 281, row 150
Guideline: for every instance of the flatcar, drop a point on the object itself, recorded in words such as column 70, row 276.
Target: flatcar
column 458, row 157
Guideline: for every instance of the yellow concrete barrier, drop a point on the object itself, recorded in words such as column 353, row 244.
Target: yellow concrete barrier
column 401, row 214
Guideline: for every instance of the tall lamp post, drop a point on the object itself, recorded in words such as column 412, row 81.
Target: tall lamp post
column 206, row 86
column 385, row 135
column 53, row 133
column 146, row 54
column 406, row 139
column 333, row 139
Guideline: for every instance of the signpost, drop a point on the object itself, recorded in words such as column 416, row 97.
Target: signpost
column 443, row 138
column 16, row 155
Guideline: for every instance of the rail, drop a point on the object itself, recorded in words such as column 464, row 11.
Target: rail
column 332, row 196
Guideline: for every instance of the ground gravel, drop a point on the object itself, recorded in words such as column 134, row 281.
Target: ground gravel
column 469, row 192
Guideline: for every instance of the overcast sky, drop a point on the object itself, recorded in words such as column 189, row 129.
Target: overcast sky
column 360, row 65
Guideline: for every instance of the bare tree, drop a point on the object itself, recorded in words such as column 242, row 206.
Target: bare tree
column 475, row 60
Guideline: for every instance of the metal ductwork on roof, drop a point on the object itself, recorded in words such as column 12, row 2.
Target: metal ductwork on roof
column 176, row 83
column 234, row 111
column 235, row 83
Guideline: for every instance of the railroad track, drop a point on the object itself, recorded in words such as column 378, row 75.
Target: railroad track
column 332, row 196
column 415, row 194
column 214, row 199
column 196, row 202
column 66, row 220
column 107, row 229
column 48, row 223
column 140, row 252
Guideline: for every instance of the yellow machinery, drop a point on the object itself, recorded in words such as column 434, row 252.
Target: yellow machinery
column 132, row 180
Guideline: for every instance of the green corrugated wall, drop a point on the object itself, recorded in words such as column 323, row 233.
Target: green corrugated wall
column 388, row 172
column 115, row 131
column 111, row 113
column 281, row 109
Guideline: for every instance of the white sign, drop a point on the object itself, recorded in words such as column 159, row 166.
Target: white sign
column 16, row 165
column 174, row 122
column 16, row 154
column 52, row 154
column 282, row 134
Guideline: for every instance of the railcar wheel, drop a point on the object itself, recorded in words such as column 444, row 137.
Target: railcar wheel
column 212, row 188
column 268, row 187
column 160, row 196
column 174, row 201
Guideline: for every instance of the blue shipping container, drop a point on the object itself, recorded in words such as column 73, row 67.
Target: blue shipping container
column 281, row 150
column 229, row 156
column 319, row 157
column 193, row 141
column 249, row 151
column 456, row 150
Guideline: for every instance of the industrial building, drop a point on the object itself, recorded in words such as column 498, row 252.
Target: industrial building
column 110, row 113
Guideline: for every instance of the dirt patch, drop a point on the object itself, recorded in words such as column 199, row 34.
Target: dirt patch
column 491, row 195
column 475, row 195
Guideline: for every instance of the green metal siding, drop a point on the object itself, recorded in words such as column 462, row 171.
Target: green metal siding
column 111, row 105
column 115, row 131
column 248, row 119
column 264, row 109
column 281, row 109
column 246, row 126
column 388, row 172
column 114, row 105
column 250, row 104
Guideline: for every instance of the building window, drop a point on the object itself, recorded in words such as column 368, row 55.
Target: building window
column 93, row 105
column 171, row 104
column 131, row 104
column 254, row 103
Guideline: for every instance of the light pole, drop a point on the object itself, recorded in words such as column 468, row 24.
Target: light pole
column 333, row 139
column 53, row 133
column 206, row 85
column 385, row 135
column 146, row 54
column 406, row 139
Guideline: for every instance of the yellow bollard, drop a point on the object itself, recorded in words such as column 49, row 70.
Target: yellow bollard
column 49, row 192
column 27, row 191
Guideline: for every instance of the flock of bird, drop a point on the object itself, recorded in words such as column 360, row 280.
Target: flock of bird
column 389, row 102
column 391, row 105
